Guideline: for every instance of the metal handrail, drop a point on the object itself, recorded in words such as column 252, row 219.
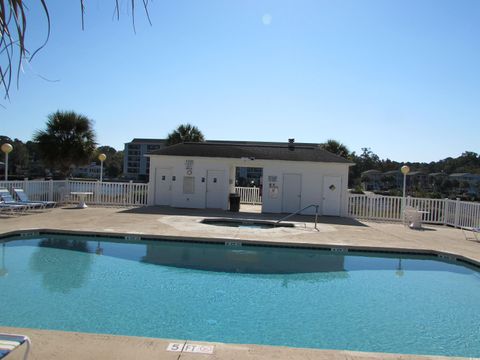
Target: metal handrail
column 299, row 211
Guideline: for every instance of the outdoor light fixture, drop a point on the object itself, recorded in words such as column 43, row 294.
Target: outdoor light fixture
column 405, row 169
column 6, row 148
column 102, row 158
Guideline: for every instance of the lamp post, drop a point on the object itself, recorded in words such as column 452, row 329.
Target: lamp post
column 102, row 158
column 405, row 170
column 6, row 148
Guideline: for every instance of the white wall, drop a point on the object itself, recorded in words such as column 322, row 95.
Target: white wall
column 199, row 170
column 312, row 183
column 312, row 180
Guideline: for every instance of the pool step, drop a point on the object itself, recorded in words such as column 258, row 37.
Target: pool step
column 29, row 234
column 338, row 249
column 233, row 243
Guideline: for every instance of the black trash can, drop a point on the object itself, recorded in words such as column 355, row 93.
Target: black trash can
column 234, row 202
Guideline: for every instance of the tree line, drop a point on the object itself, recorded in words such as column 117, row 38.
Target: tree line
column 468, row 162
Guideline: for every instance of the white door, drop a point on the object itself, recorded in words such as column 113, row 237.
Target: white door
column 292, row 193
column 216, row 185
column 163, row 186
column 332, row 186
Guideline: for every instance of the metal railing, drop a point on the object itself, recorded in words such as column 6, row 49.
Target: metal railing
column 299, row 211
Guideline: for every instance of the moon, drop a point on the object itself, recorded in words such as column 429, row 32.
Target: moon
column 267, row 19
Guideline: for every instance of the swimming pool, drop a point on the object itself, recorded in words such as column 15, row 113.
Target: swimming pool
column 241, row 294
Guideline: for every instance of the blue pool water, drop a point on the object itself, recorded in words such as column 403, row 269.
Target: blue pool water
column 259, row 295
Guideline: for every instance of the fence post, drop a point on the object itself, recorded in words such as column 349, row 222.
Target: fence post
column 457, row 212
column 25, row 186
column 97, row 192
column 445, row 213
column 145, row 197
column 368, row 206
column 408, row 202
column 50, row 190
column 130, row 193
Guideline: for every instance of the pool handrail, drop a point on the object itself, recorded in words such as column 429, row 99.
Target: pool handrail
column 299, row 211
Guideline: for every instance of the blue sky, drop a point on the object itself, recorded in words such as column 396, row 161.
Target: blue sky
column 399, row 77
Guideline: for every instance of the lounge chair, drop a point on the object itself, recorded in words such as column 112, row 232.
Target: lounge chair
column 7, row 198
column 12, row 207
column 22, row 195
column 10, row 343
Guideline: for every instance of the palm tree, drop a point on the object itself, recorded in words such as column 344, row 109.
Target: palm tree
column 68, row 140
column 336, row 147
column 184, row 133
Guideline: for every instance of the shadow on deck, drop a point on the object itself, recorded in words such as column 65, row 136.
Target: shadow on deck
column 248, row 212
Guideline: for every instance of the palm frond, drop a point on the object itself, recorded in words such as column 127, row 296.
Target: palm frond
column 13, row 37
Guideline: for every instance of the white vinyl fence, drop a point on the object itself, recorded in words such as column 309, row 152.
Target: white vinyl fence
column 105, row 193
column 370, row 207
column 249, row 195
column 436, row 211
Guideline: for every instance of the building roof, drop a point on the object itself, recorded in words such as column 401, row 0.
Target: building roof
column 393, row 172
column 147, row 141
column 372, row 172
column 466, row 176
column 460, row 174
column 276, row 151
column 161, row 141
column 242, row 142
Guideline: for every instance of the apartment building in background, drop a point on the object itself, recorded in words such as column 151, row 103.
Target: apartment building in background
column 136, row 166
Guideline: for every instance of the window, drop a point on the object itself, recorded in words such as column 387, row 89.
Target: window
column 189, row 184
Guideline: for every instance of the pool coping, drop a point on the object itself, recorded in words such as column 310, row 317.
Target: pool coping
column 135, row 236
column 55, row 344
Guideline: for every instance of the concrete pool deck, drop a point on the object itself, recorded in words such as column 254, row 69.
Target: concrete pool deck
column 185, row 224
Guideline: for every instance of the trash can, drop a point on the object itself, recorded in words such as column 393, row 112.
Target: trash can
column 234, row 202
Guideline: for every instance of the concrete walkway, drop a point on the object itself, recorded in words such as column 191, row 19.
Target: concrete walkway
column 185, row 224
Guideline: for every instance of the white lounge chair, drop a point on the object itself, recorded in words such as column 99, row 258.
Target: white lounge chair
column 22, row 195
column 12, row 208
column 12, row 343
